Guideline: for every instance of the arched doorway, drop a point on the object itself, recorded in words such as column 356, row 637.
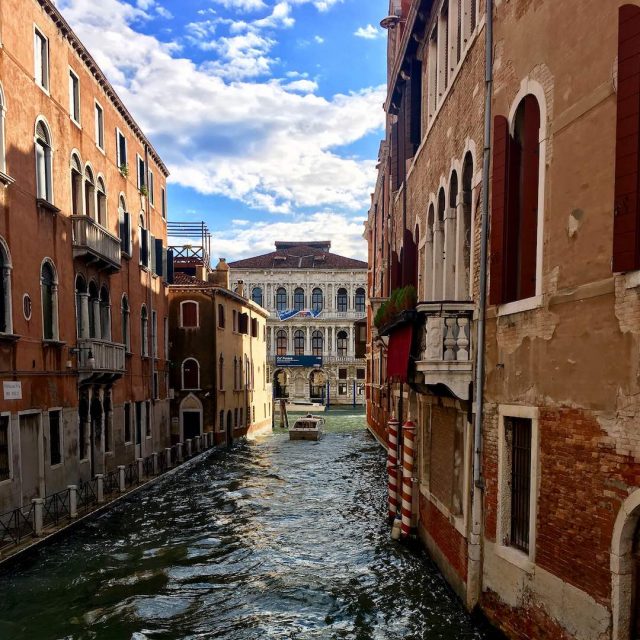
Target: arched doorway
column 229, row 428
column 190, row 417
column 280, row 384
column 317, row 385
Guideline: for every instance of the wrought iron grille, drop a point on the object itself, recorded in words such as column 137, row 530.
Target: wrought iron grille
column 87, row 495
column 56, row 507
column 111, row 482
column 131, row 475
column 147, row 466
column 520, row 432
column 16, row 525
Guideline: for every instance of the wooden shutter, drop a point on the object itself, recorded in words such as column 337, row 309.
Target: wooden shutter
column 499, row 189
column 159, row 251
column 529, row 196
column 170, row 266
column 144, row 247
column 625, row 225
column 152, row 253
column 190, row 314
column 416, row 104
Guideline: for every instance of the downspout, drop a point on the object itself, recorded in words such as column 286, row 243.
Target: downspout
column 150, row 328
column 474, row 581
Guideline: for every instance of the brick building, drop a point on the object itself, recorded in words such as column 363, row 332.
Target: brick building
column 218, row 348
column 543, row 534
column 83, row 316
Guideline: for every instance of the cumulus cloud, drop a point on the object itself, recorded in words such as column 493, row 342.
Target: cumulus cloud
column 263, row 144
column 344, row 232
column 368, row 33
column 242, row 5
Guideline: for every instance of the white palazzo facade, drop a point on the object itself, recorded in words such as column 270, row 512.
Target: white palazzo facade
column 316, row 333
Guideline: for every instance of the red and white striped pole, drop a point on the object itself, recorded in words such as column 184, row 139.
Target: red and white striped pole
column 392, row 466
column 409, row 435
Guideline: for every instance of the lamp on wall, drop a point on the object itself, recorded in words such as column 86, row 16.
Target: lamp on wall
column 91, row 361
column 391, row 22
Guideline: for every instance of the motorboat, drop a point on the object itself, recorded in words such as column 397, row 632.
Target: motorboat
column 307, row 427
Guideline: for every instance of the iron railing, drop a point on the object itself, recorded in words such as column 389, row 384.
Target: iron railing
column 111, row 482
column 16, row 525
column 87, row 495
column 147, row 466
column 56, row 507
column 131, row 475
column 162, row 463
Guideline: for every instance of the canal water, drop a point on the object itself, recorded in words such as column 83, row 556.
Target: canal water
column 270, row 540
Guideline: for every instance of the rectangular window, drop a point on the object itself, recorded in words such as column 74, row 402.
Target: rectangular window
column 342, row 374
column 163, row 195
column 41, row 52
column 166, row 338
column 99, row 127
column 154, row 333
column 342, row 388
column 156, row 383
column 235, row 320
column 5, row 455
column 121, row 150
column 74, row 97
column 147, row 419
column 360, row 374
column 141, row 173
column 151, row 189
column 55, row 437
column 221, row 316
column 518, row 434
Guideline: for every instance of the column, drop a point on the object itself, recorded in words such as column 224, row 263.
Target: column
column 427, row 267
column 462, row 286
column 438, row 248
column 449, row 255
column 84, row 314
column 96, row 319
column 107, row 312
column 308, row 347
column 352, row 345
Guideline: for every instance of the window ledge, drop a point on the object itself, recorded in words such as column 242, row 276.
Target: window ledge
column 53, row 343
column 46, row 205
column 9, row 337
column 515, row 557
column 519, row 306
column 6, row 179
column 632, row 280
column 58, row 465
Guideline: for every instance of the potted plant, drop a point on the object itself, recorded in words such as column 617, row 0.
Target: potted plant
column 124, row 170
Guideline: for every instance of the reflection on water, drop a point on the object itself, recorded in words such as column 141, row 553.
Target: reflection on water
column 273, row 539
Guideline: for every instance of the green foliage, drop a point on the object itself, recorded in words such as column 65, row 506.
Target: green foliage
column 400, row 300
column 124, row 170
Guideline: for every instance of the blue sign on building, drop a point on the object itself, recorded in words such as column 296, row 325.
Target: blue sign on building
column 298, row 361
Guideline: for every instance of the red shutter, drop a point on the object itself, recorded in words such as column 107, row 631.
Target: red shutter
column 625, row 225
column 190, row 314
column 498, row 208
column 529, row 204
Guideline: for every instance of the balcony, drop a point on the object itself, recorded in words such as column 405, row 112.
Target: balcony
column 100, row 361
column 94, row 243
column 443, row 353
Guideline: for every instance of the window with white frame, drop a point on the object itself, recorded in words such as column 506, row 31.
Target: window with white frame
column 144, row 331
column 189, row 314
column 126, row 331
column 163, row 195
column 190, row 374
column 44, row 162
column 121, row 151
column 154, row 333
column 6, row 315
column 517, row 479
column 166, row 338
column 99, row 122
column 41, row 57
column 141, row 173
column 101, row 199
column 151, row 189
column 55, row 437
column 5, row 448
column 3, row 157
column 76, row 185
column 49, row 292
column 74, row 96
column 89, row 193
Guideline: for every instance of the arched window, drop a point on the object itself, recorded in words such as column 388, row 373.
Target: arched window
column 438, row 246
column 298, row 299
column 298, row 343
column 49, row 286
column 105, row 314
column 281, row 343
column 221, row 320
column 189, row 314
column 126, row 332
column 144, row 332
column 221, row 373
column 82, row 307
column 428, row 266
column 102, row 203
column 317, row 343
column 89, row 194
column 6, row 316
column 3, row 110
column 342, row 300
column 76, row 185
column 281, row 299
column 94, row 311
column 317, row 300
column 342, row 341
column 450, row 234
column 190, row 374
column 235, row 373
column 464, row 262
column 256, row 295
column 44, row 162
column 143, row 240
column 360, row 298
column 514, row 228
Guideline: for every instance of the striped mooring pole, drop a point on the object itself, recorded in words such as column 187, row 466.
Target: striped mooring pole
column 409, row 434
column 392, row 466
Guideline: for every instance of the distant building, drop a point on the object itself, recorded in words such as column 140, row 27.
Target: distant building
column 316, row 333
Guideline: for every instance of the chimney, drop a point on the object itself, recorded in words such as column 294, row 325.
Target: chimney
column 220, row 276
column 240, row 288
column 201, row 272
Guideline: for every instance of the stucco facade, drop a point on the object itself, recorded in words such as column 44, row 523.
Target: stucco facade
column 83, row 341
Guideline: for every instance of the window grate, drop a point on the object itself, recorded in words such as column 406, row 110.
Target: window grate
column 520, row 431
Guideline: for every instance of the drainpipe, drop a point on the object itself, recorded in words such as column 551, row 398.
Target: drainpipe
column 474, row 585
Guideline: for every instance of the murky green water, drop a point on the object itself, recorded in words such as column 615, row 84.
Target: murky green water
column 271, row 540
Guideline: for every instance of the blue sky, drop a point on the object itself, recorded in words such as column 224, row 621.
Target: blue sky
column 268, row 113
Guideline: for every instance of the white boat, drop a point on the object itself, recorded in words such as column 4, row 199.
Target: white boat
column 307, row 427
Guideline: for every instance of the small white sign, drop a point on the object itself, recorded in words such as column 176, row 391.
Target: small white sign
column 12, row 390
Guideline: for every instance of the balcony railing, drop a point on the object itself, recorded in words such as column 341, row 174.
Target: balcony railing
column 90, row 240
column 445, row 354
column 101, row 357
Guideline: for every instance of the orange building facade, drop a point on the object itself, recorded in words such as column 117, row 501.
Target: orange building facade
column 83, row 305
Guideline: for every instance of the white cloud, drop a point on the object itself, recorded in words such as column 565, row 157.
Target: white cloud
column 318, row 39
column 302, row 86
column 344, row 232
column 369, row 32
column 242, row 5
column 263, row 144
